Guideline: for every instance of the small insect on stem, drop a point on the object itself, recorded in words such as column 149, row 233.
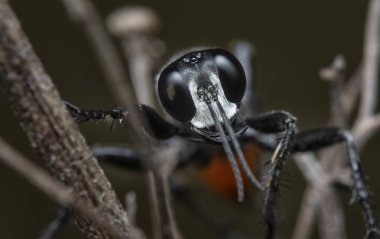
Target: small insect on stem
column 208, row 86
column 202, row 90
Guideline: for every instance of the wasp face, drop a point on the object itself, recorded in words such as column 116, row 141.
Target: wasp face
column 205, row 88
column 188, row 84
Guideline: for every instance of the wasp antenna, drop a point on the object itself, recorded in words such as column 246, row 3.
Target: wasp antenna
column 230, row 155
column 255, row 182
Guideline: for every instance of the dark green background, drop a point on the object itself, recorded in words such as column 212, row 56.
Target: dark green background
column 293, row 40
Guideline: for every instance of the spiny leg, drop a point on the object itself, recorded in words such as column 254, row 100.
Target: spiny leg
column 319, row 138
column 129, row 159
column 125, row 157
column 158, row 127
column 274, row 122
column 81, row 115
column 120, row 156
column 361, row 193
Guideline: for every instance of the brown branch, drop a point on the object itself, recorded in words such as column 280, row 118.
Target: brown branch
column 365, row 129
column 318, row 180
column 366, row 124
column 307, row 214
column 50, row 129
column 351, row 93
column 154, row 157
column 334, row 74
column 135, row 27
column 330, row 213
column 370, row 60
column 318, row 197
column 85, row 14
column 55, row 190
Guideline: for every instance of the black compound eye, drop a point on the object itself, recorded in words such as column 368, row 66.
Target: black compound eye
column 231, row 75
column 175, row 95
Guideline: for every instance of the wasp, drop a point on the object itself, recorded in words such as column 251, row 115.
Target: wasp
column 201, row 90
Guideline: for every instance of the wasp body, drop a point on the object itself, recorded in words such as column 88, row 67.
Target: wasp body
column 202, row 90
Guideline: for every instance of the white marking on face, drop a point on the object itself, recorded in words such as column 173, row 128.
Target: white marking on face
column 203, row 118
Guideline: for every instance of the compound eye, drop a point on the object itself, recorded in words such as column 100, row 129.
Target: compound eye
column 231, row 75
column 175, row 95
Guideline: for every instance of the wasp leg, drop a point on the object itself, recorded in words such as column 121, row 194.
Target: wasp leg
column 81, row 115
column 129, row 158
column 158, row 127
column 274, row 122
column 320, row 138
column 61, row 219
column 119, row 156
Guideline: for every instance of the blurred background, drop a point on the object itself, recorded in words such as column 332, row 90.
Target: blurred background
column 293, row 40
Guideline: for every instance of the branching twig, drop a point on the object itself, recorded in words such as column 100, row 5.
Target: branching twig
column 366, row 124
column 319, row 189
column 370, row 60
column 135, row 27
column 351, row 93
column 51, row 131
column 84, row 12
column 55, row 190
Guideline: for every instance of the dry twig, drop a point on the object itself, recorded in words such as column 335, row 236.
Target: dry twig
column 50, row 129
column 135, row 28
column 364, row 81
column 55, row 190
column 154, row 157
column 84, row 13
